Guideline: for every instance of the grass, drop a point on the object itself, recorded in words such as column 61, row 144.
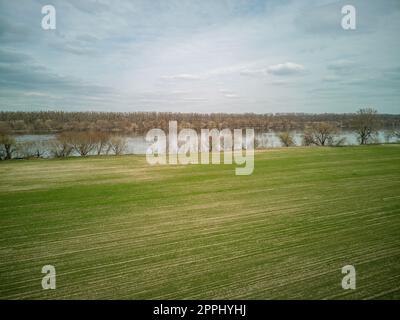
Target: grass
column 115, row 227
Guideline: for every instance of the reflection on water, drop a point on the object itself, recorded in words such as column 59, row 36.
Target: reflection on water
column 138, row 144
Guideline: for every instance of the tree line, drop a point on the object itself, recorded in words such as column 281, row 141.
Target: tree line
column 141, row 122
column 65, row 144
column 365, row 123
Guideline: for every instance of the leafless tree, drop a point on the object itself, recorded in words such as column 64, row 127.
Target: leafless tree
column 141, row 122
column 101, row 141
column 321, row 134
column 391, row 135
column 32, row 149
column 397, row 134
column 82, row 142
column 366, row 125
column 117, row 144
column 307, row 139
column 7, row 146
column 286, row 138
column 61, row 146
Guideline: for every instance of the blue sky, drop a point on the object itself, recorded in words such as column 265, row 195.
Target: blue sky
column 200, row 56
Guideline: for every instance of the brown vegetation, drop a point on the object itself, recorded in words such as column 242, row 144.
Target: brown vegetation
column 366, row 124
column 286, row 138
column 7, row 146
column 322, row 134
column 96, row 133
column 141, row 122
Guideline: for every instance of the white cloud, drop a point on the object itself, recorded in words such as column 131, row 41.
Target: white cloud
column 287, row 68
column 228, row 93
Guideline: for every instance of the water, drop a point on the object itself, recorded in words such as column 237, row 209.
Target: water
column 138, row 144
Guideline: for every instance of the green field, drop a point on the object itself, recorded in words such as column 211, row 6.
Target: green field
column 115, row 227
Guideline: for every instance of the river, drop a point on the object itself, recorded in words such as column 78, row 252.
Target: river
column 138, row 145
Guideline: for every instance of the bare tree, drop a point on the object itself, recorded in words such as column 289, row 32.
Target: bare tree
column 392, row 135
column 366, row 124
column 101, row 142
column 7, row 146
column 321, row 134
column 397, row 134
column 61, row 146
column 117, row 144
column 286, row 138
column 32, row 149
column 307, row 139
column 82, row 142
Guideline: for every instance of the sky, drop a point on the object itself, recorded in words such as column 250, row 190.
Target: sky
column 202, row 56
